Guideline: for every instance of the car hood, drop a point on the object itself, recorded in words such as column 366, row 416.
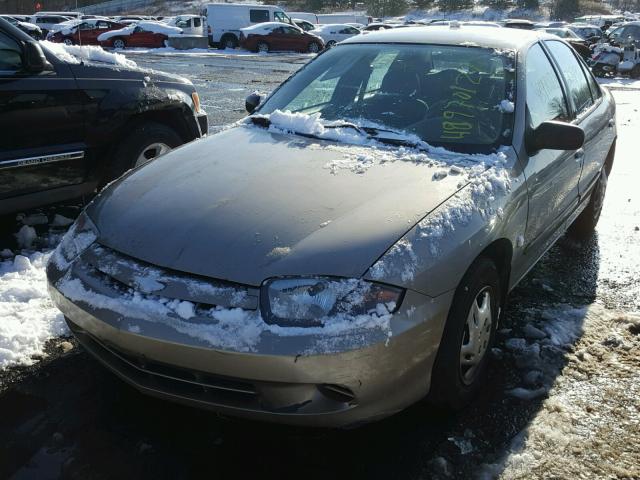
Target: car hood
column 248, row 204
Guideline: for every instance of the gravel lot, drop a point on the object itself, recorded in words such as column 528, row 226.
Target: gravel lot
column 570, row 337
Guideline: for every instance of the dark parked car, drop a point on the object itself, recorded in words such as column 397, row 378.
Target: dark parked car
column 519, row 23
column 321, row 263
column 69, row 128
column 581, row 46
column 84, row 32
column 276, row 36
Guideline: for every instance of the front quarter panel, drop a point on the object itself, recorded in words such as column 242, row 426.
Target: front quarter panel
column 434, row 255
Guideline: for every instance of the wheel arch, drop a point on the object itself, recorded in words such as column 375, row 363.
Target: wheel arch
column 500, row 252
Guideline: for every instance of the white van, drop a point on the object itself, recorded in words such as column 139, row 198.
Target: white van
column 190, row 24
column 224, row 20
column 330, row 18
column 309, row 17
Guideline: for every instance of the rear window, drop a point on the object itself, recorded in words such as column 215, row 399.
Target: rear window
column 258, row 16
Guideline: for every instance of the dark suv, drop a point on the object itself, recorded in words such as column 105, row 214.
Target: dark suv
column 69, row 128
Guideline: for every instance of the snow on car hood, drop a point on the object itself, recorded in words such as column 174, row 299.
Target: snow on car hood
column 155, row 27
column 249, row 204
column 76, row 54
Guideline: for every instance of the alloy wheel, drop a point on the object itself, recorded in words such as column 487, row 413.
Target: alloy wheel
column 118, row 44
column 150, row 152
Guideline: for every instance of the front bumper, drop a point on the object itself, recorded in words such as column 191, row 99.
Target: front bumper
column 280, row 380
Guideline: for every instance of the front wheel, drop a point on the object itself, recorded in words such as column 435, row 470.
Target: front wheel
column 330, row 43
column 313, row 47
column 263, row 47
column 119, row 44
column 143, row 144
column 68, row 41
column 461, row 364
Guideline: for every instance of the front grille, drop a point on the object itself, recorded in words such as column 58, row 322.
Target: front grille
column 124, row 273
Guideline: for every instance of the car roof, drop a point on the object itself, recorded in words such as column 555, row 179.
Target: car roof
column 512, row 39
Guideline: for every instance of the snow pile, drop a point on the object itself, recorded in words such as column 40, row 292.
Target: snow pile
column 76, row 54
column 487, row 181
column 148, row 26
column 314, row 125
column 28, row 318
column 229, row 328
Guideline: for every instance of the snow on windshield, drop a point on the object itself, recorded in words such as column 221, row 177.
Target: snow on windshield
column 77, row 54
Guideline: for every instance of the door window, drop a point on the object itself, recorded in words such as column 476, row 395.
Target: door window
column 291, row 31
column 258, row 16
column 545, row 98
column 576, row 81
column 10, row 54
column 280, row 17
column 197, row 22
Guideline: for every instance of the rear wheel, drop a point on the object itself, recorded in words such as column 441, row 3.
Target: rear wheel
column 461, row 364
column 228, row 41
column 313, row 47
column 584, row 226
column 68, row 41
column 263, row 47
column 119, row 43
column 330, row 43
column 145, row 143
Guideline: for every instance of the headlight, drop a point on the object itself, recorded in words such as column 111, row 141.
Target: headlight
column 77, row 239
column 306, row 302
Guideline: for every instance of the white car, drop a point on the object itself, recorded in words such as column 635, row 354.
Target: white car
column 48, row 22
column 335, row 32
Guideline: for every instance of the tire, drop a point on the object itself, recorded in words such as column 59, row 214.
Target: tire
column 138, row 147
column 262, row 47
column 313, row 47
column 598, row 71
column 455, row 383
column 583, row 227
column 330, row 43
column 68, row 41
column 119, row 43
column 635, row 71
column 228, row 41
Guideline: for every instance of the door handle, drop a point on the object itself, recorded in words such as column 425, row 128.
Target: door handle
column 579, row 154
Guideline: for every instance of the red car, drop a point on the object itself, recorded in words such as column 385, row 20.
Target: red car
column 84, row 33
column 274, row 36
column 142, row 34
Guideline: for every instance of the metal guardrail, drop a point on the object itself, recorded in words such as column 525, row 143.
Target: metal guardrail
column 115, row 6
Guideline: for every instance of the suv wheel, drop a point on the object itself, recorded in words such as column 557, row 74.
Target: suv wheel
column 263, row 47
column 461, row 364
column 143, row 144
column 119, row 43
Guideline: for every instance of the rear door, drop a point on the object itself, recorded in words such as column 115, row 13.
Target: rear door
column 42, row 123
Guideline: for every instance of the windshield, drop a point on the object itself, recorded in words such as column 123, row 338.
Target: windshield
column 455, row 96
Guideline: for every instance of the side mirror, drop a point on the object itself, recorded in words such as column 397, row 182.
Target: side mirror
column 252, row 102
column 34, row 60
column 554, row 135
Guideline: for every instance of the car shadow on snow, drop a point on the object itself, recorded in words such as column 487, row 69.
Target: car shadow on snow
column 74, row 419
